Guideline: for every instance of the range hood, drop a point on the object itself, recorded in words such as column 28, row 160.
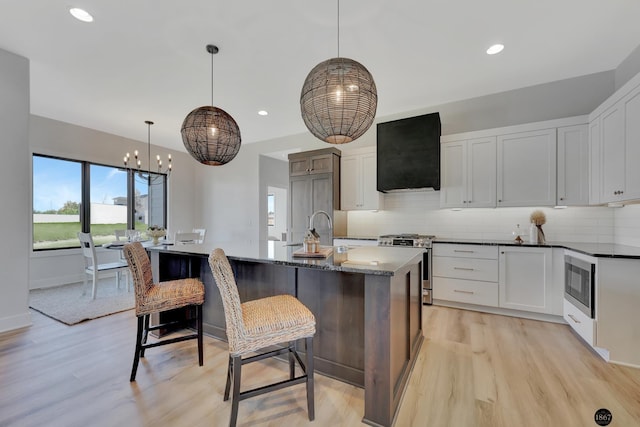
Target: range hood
column 409, row 154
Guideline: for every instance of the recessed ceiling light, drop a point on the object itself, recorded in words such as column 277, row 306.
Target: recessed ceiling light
column 496, row 48
column 81, row 14
column 263, row 113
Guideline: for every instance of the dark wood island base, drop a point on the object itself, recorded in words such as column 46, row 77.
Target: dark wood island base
column 369, row 319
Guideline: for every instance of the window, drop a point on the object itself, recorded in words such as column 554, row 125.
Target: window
column 71, row 196
column 57, row 196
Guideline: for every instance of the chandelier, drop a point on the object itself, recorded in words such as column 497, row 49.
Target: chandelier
column 339, row 99
column 209, row 133
column 136, row 159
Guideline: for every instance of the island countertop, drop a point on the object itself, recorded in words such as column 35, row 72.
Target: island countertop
column 365, row 259
column 367, row 303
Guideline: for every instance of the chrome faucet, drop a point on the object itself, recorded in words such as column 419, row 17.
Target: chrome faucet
column 311, row 227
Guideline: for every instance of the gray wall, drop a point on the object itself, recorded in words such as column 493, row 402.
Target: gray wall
column 52, row 137
column 564, row 98
column 628, row 68
column 14, row 181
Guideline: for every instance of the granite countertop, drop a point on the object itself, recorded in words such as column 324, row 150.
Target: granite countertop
column 363, row 259
column 600, row 250
column 356, row 237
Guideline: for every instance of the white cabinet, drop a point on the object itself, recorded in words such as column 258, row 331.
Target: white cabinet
column 527, row 168
column 358, row 180
column 595, row 167
column 632, row 144
column 526, row 279
column 580, row 322
column 612, row 154
column 615, row 127
column 465, row 273
column 617, row 302
column 468, row 173
column 573, row 166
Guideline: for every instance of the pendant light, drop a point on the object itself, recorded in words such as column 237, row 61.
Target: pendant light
column 338, row 99
column 137, row 163
column 209, row 133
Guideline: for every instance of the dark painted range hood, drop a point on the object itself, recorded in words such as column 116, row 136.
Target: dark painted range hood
column 409, row 154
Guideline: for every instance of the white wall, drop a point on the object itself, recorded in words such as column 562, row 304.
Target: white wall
column 419, row 212
column 52, row 137
column 627, row 225
column 14, row 182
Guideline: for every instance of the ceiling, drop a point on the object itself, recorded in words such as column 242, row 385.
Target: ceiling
column 146, row 59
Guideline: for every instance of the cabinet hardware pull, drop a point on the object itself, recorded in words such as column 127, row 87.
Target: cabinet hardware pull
column 463, row 292
column 561, row 198
column 500, row 201
column 462, row 268
column 574, row 319
column 460, row 250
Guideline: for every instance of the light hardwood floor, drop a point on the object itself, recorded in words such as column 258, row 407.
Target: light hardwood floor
column 473, row 370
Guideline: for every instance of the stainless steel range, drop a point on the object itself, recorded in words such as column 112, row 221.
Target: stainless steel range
column 420, row 241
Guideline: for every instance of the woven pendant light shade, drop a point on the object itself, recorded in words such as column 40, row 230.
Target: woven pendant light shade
column 338, row 100
column 209, row 133
column 211, row 136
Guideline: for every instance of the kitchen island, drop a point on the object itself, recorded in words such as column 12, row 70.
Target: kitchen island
column 366, row 301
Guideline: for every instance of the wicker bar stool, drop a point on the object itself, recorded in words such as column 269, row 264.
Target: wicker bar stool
column 255, row 325
column 158, row 297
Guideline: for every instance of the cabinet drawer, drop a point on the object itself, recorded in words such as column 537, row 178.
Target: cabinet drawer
column 465, row 251
column 580, row 322
column 465, row 291
column 466, row 268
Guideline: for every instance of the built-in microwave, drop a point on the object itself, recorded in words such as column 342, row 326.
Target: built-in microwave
column 579, row 284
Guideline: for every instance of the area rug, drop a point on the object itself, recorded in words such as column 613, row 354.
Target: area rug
column 67, row 303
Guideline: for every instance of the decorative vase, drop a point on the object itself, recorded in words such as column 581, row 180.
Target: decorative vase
column 533, row 234
column 541, row 238
column 156, row 240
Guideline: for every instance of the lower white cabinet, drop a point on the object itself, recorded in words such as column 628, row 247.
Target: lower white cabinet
column 526, row 279
column 617, row 303
column 523, row 278
column 580, row 322
column 466, row 274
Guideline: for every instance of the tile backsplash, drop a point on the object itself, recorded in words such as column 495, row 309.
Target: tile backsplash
column 419, row 212
column 627, row 225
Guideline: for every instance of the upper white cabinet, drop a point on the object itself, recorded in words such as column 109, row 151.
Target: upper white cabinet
column 573, row 166
column 526, row 280
column 595, row 168
column 614, row 138
column 527, row 168
column 612, row 154
column 468, row 173
column 358, row 180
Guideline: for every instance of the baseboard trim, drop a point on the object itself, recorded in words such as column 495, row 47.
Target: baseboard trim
column 18, row 321
column 502, row 311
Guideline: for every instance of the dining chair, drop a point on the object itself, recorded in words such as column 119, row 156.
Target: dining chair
column 159, row 297
column 123, row 236
column 255, row 325
column 186, row 238
column 93, row 268
column 202, row 232
column 120, row 235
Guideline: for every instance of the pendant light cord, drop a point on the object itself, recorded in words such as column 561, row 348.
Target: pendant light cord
column 212, row 79
column 149, row 148
column 338, row 28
